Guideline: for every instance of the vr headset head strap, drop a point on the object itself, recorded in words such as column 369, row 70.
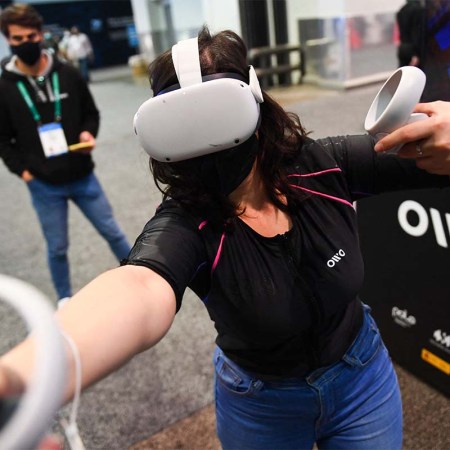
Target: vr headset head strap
column 254, row 85
column 186, row 60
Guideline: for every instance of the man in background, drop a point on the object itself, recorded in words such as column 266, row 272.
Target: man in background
column 46, row 108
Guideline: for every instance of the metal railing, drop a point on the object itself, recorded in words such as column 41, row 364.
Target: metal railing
column 268, row 69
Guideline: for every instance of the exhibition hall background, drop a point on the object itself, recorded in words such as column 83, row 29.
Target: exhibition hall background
column 345, row 42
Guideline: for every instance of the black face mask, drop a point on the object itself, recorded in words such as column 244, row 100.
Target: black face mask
column 28, row 52
column 224, row 171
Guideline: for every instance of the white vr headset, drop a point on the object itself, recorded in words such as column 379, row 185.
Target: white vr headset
column 201, row 115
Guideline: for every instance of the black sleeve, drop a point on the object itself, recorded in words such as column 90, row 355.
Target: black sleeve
column 172, row 247
column 89, row 115
column 418, row 32
column 9, row 151
column 368, row 172
column 90, row 112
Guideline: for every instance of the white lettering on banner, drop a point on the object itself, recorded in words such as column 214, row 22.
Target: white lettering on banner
column 441, row 337
column 336, row 258
column 401, row 317
column 423, row 221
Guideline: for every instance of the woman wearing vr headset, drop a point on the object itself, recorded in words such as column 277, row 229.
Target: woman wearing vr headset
column 264, row 231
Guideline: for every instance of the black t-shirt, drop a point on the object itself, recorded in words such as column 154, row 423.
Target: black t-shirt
column 287, row 304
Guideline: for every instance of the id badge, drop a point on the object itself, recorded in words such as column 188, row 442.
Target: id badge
column 53, row 139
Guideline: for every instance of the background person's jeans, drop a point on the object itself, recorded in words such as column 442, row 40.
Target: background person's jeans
column 353, row 405
column 51, row 204
column 83, row 65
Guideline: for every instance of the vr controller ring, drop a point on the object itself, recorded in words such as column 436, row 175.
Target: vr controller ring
column 33, row 414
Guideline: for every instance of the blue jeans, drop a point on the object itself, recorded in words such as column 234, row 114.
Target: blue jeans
column 83, row 65
column 51, row 204
column 352, row 404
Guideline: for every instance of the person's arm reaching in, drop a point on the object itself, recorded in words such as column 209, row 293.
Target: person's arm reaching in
column 428, row 141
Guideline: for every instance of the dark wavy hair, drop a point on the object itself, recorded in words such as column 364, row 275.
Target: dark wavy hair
column 280, row 135
column 23, row 15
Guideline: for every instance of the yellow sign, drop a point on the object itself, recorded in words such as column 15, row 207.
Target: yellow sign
column 435, row 361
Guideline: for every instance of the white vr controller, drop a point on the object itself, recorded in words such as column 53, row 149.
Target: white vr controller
column 34, row 413
column 394, row 103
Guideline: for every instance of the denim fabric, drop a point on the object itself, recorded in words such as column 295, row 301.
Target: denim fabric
column 353, row 404
column 51, row 204
column 83, row 65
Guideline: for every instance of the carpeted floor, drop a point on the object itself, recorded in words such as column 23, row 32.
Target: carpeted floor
column 194, row 432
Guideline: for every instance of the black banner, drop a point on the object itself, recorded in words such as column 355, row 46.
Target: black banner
column 405, row 239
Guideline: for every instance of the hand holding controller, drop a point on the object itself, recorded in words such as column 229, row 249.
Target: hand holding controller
column 393, row 106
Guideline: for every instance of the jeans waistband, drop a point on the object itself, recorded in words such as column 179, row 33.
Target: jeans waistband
column 362, row 350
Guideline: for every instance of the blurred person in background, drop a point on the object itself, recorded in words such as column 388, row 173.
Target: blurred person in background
column 63, row 43
column 424, row 28
column 411, row 22
column 50, row 42
column 436, row 62
column 79, row 51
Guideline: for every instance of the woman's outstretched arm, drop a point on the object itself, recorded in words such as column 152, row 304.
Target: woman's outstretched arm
column 119, row 314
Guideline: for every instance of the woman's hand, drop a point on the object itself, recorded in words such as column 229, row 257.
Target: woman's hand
column 10, row 383
column 51, row 442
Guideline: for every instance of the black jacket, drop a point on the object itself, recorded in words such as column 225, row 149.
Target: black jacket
column 411, row 26
column 20, row 146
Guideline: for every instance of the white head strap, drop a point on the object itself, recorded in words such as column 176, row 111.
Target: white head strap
column 254, row 85
column 186, row 60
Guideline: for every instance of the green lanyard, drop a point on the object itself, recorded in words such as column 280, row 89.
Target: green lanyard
column 32, row 106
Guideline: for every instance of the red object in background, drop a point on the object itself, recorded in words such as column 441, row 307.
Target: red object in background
column 396, row 34
column 354, row 36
